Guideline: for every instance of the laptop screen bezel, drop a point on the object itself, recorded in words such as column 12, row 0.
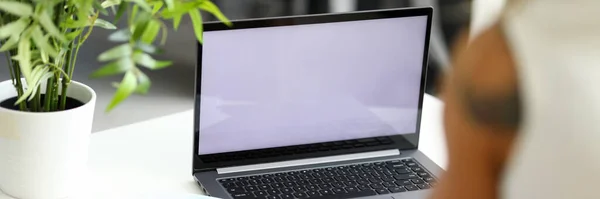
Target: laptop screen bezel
column 402, row 142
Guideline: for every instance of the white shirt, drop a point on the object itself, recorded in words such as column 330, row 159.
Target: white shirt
column 556, row 45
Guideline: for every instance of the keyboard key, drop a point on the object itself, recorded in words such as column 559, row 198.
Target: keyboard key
column 407, row 160
column 403, row 182
column 375, row 180
column 417, row 169
column 341, row 178
column 303, row 182
column 405, row 176
column 326, row 192
column 300, row 195
column 417, row 181
column 260, row 193
column 423, row 186
column 264, row 187
column 352, row 177
column 277, row 185
column 253, row 182
column 236, row 190
column 423, row 174
column 312, row 187
column 289, row 184
column 411, row 187
column 362, row 181
column 287, row 196
column 313, row 193
column 382, row 191
column 266, row 181
column 359, row 194
column 252, row 188
column 363, row 187
column 397, row 189
column 229, row 185
column 338, row 184
column 387, row 179
column 350, row 183
column 325, row 186
column 388, row 184
column 376, row 186
column 338, row 190
column 300, row 189
column 351, row 189
column 402, row 171
column 429, row 179
column 273, row 192
column 287, row 190
column 272, row 197
column 243, row 196
column 328, row 180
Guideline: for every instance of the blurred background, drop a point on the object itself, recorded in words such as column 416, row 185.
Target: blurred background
column 173, row 88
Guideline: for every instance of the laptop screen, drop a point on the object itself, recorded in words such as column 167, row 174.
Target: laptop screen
column 302, row 84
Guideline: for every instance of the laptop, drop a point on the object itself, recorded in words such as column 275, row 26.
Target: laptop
column 315, row 106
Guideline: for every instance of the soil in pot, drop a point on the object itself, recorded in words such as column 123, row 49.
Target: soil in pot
column 10, row 103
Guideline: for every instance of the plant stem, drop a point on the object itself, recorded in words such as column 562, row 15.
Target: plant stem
column 65, row 80
column 47, row 97
column 19, row 85
column 36, row 100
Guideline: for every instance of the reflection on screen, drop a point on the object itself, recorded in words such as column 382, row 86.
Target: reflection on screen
column 292, row 85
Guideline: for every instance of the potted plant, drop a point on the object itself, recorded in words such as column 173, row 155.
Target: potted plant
column 45, row 116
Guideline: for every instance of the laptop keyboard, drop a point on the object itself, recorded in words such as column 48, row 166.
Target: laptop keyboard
column 348, row 181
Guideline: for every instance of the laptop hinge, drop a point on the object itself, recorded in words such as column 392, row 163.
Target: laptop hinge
column 309, row 161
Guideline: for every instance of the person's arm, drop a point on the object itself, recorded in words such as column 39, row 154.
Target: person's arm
column 482, row 115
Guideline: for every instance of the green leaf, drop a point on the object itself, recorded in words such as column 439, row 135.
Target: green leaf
column 72, row 35
column 214, row 10
column 71, row 23
column 151, row 32
column 110, row 3
column 147, row 61
column 10, row 44
column 176, row 21
column 157, row 6
column 104, row 24
column 48, row 24
column 126, row 88
column 15, row 27
column 122, row 35
column 117, row 67
column 16, row 8
column 41, row 41
column 122, row 8
column 144, row 83
column 197, row 23
column 140, row 28
column 98, row 6
column 24, row 57
column 38, row 75
column 170, row 4
column 142, row 4
column 147, row 48
column 116, row 52
column 45, row 57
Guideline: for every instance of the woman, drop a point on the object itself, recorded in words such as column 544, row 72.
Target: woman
column 522, row 112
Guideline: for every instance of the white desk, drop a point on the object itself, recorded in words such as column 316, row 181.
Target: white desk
column 155, row 156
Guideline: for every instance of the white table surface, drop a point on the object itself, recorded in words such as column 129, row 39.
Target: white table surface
column 155, row 156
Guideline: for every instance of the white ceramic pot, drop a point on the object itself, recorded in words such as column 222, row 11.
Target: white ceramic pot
column 44, row 155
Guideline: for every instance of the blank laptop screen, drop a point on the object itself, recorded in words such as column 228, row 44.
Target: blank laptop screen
column 293, row 85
